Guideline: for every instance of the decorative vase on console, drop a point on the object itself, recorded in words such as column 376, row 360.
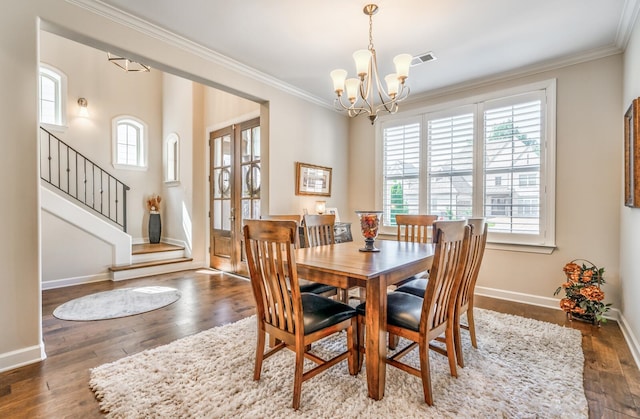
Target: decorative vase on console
column 155, row 223
column 369, row 226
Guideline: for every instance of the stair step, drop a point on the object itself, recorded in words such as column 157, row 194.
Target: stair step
column 148, row 264
column 145, row 248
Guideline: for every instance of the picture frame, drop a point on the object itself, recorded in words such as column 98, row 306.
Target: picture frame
column 632, row 155
column 313, row 180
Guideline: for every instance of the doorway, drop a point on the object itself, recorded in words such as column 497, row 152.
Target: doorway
column 234, row 175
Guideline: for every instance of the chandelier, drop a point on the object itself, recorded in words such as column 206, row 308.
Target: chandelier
column 128, row 65
column 364, row 94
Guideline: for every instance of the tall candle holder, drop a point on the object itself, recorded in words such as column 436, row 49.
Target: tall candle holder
column 369, row 226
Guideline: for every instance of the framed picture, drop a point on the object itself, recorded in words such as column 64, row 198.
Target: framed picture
column 632, row 155
column 313, row 180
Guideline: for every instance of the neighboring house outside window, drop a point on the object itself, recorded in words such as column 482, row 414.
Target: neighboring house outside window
column 129, row 143
column 53, row 94
column 492, row 157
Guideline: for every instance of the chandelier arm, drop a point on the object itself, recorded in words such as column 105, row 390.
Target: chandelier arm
column 351, row 109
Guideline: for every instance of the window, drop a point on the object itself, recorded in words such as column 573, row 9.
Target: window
column 401, row 169
column 172, row 158
column 493, row 156
column 129, row 143
column 53, row 86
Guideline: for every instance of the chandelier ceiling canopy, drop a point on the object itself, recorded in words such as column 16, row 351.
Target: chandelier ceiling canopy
column 364, row 93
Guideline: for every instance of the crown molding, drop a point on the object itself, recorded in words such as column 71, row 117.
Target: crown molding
column 518, row 73
column 126, row 19
column 627, row 22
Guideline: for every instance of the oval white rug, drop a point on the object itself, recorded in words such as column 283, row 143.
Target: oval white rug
column 122, row 302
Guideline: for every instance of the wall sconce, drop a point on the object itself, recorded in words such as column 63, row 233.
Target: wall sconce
column 84, row 112
column 321, row 207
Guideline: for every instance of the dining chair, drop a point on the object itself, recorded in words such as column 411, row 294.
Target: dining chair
column 414, row 227
column 295, row 319
column 464, row 304
column 319, row 229
column 422, row 320
column 305, row 285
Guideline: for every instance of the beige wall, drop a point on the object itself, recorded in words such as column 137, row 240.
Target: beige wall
column 588, row 183
column 630, row 217
column 294, row 129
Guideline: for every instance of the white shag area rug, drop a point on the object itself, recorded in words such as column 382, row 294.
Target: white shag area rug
column 522, row 368
column 112, row 304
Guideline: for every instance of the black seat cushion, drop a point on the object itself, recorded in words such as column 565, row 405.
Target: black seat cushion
column 403, row 310
column 415, row 287
column 320, row 312
column 315, row 287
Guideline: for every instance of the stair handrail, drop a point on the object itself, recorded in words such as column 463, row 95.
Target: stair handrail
column 59, row 154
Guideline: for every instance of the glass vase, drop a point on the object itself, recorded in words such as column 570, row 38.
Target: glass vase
column 369, row 226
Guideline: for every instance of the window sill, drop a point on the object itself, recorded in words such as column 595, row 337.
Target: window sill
column 508, row 247
column 527, row 248
column 54, row 127
column 130, row 167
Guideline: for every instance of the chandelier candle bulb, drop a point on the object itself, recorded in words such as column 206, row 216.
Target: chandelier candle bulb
column 392, row 84
column 362, row 57
column 402, row 63
column 339, row 76
column 352, row 89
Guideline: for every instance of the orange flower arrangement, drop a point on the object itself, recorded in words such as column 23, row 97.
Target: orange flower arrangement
column 153, row 203
column 583, row 299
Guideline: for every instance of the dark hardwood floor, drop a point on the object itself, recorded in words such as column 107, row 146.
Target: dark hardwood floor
column 58, row 386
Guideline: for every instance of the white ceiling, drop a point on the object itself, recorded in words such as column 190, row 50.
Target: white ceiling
column 300, row 42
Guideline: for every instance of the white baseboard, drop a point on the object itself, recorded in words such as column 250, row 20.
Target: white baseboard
column 631, row 339
column 67, row 282
column 21, row 357
column 613, row 314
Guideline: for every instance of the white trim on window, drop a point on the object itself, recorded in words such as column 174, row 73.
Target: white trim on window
column 52, row 99
column 129, row 143
column 459, row 160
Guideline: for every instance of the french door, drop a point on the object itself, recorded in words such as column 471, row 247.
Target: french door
column 234, row 176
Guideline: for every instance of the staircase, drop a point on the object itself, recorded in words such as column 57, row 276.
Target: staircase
column 151, row 259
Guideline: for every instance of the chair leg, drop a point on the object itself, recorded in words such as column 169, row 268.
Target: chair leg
column 360, row 341
column 352, row 345
column 425, row 373
column 472, row 326
column 451, row 350
column 259, row 354
column 393, row 341
column 297, row 379
column 457, row 340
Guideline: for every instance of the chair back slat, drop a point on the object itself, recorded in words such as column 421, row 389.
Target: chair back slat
column 270, row 257
column 414, row 227
column 452, row 243
column 286, row 217
column 477, row 245
column 319, row 229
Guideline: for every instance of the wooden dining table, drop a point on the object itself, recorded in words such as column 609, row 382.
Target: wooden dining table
column 344, row 266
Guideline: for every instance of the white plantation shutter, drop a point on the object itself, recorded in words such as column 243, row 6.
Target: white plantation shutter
column 450, row 166
column 401, row 170
column 513, row 135
column 492, row 156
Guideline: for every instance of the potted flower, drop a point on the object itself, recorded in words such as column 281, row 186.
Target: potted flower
column 583, row 296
